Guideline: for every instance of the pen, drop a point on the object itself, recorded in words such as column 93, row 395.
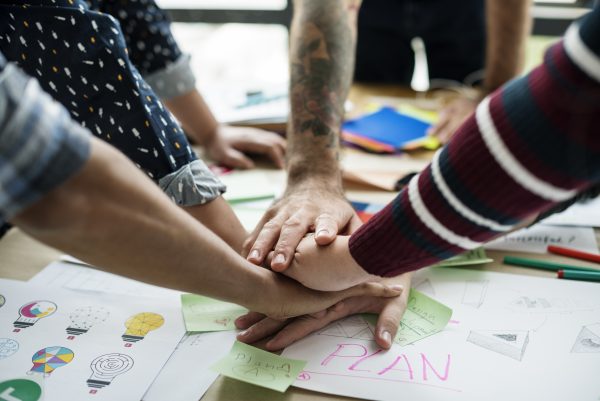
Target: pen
column 578, row 275
column 544, row 265
column 574, row 253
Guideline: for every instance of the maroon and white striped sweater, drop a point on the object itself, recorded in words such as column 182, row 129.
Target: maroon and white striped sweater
column 530, row 145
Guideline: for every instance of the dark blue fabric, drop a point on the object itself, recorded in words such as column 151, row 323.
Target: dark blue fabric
column 80, row 58
column 453, row 32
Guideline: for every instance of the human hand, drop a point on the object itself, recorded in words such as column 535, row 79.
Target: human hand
column 229, row 144
column 327, row 268
column 282, row 297
column 451, row 118
column 256, row 326
column 312, row 207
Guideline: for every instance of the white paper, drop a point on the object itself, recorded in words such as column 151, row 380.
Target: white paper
column 113, row 345
column 510, row 338
column 194, row 353
column 191, row 362
column 585, row 214
column 82, row 278
column 536, row 239
column 247, row 185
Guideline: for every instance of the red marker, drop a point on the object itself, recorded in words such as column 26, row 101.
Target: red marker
column 574, row 253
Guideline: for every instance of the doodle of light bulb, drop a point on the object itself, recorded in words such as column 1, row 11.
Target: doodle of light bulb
column 31, row 312
column 82, row 319
column 139, row 325
column 106, row 367
column 48, row 359
column 8, row 347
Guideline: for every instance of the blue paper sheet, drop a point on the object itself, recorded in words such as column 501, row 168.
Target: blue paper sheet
column 387, row 126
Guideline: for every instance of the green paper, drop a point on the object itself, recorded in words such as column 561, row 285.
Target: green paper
column 424, row 316
column 243, row 186
column 262, row 368
column 473, row 257
column 207, row 314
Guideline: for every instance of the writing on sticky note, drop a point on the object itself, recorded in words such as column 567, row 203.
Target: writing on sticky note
column 423, row 317
column 207, row 314
column 475, row 256
column 262, row 368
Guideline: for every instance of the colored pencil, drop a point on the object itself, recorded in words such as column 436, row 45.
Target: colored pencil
column 544, row 265
column 574, row 253
column 578, row 275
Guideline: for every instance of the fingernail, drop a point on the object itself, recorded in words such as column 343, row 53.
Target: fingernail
column 279, row 258
column 387, row 337
column 397, row 287
column 322, row 232
column 254, row 254
column 243, row 333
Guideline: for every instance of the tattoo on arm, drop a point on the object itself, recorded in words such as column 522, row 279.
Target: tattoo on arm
column 321, row 63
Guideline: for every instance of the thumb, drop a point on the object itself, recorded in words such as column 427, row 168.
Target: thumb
column 389, row 322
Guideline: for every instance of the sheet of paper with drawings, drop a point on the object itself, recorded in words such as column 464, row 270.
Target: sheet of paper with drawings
column 206, row 314
column 191, row 353
column 510, row 337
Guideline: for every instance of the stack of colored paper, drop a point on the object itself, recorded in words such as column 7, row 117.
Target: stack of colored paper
column 387, row 131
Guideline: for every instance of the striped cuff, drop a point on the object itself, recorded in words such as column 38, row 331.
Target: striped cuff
column 174, row 80
column 193, row 184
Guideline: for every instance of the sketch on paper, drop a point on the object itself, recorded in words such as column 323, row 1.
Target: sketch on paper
column 511, row 343
column 588, row 339
column 554, row 304
column 82, row 319
column 106, row 367
column 353, row 327
column 139, row 325
column 31, row 312
column 425, row 287
column 8, row 347
column 474, row 293
column 49, row 359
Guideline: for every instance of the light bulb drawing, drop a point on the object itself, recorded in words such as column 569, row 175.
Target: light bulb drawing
column 82, row 319
column 140, row 324
column 48, row 359
column 106, row 367
column 31, row 312
column 8, row 347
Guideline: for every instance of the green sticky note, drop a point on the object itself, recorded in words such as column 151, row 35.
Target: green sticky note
column 207, row 314
column 262, row 368
column 424, row 316
column 473, row 257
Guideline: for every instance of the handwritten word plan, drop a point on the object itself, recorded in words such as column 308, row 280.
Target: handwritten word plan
column 262, row 368
column 510, row 338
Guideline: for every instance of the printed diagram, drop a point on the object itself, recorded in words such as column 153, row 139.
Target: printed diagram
column 474, row 294
column 138, row 326
column 509, row 343
column 48, row 359
column 106, row 367
column 31, row 312
column 8, row 347
column 425, row 287
column 2, row 300
column 352, row 327
column 82, row 319
column 588, row 339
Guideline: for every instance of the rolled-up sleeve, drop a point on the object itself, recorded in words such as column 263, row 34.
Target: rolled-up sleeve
column 40, row 146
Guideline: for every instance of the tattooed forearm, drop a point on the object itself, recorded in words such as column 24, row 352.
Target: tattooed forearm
column 321, row 63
